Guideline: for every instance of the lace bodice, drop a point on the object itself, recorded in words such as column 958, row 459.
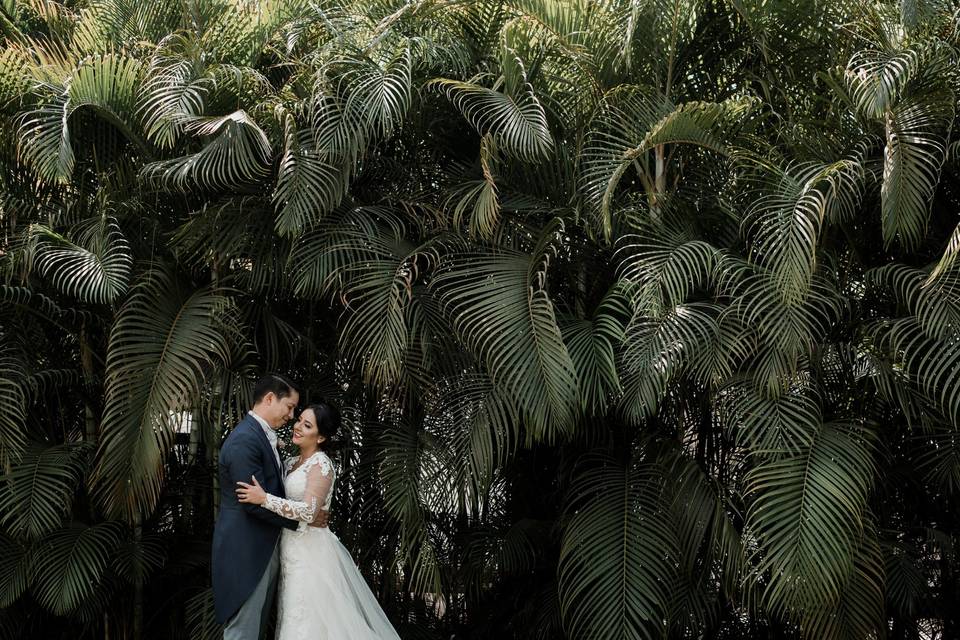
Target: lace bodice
column 309, row 487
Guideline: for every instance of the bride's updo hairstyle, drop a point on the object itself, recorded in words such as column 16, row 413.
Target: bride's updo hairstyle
column 328, row 424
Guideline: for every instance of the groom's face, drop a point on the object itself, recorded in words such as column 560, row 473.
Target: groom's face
column 281, row 409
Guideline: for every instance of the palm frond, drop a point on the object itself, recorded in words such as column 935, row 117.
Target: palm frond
column 521, row 345
column 518, row 125
column 308, row 186
column 634, row 121
column 13, row 416
column 593, row 344
column 105, row 84
column 785, row 223
column 16, row 569
column 617, row 550
column 163, row 346
column 859, row 611
column 916, row 147
column 94, row 268
column 786, row 424
column 39, row 489
column 238, row 154
column 70, row 563
column 806, row 516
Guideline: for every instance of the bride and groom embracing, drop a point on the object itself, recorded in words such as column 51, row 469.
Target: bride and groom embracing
column 272, row 520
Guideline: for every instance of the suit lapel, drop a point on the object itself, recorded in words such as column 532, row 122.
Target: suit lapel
column 253, row 424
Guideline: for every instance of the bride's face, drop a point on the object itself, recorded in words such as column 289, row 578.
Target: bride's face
column 305, row 431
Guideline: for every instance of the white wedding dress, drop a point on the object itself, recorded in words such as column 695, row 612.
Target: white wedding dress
column 322, row 594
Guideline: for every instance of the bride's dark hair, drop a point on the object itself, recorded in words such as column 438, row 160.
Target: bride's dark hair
column 328, row 423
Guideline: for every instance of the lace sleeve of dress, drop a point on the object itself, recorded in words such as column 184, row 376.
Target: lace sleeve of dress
column 319, row 478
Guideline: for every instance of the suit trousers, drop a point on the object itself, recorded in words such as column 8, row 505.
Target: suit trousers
column 250, row 621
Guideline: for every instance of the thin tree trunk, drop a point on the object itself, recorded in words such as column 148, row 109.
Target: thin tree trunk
column 91, row 428
column 138, row 589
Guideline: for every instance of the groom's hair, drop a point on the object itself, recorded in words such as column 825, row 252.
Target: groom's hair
column 275, row 383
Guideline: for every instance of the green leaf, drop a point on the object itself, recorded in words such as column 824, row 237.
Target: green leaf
column 806, row 518
column 618, row 552
column 163, row 346
column 859, row 611
column 13, row 406
column 521, row 344
column 593, row 344
column 308, row 186
column 519, row 126
column 237, row 154
column 70, row 564
column 95, row 268
column 39, row 489
column 16, row 569
column 916, row 147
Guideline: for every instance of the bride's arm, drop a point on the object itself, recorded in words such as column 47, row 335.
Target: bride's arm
column 319, row 481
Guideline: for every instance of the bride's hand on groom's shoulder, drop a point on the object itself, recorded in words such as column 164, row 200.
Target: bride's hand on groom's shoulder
column 251, row 493
column 321, row 519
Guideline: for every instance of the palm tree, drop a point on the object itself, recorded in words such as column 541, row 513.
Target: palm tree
column 643, row 315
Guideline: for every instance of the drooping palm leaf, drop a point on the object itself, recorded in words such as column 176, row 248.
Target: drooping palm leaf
column 104, row 84
column 518, row 124
column 806, row 516
column 916, row 131
column 308, row 186
column 617, row 551
column 163, row 346
column 859, row 610
column 593, row 344
column 13, row 409
column 521, row 345
column 236, row 155
column 95, row 268
column 39, row 490
column 785, row 223
column 69, row 564
column 16, row 569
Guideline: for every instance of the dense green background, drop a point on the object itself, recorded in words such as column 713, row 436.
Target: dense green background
column 644, row 315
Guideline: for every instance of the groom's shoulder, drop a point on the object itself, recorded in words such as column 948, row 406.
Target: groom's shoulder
column 240, row 431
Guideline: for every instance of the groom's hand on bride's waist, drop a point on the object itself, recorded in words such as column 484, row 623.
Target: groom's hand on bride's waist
column 320, row 520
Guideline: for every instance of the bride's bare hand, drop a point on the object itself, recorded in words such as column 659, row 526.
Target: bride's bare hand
column 251, row 493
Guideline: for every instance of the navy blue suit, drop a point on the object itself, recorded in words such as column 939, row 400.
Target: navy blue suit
column 245, row 534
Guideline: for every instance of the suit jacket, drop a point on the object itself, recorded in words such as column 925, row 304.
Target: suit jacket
column 245, row 534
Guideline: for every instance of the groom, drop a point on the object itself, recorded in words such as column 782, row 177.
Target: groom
column 245, row 539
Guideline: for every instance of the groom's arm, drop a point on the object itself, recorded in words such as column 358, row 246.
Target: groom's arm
column 246, row 462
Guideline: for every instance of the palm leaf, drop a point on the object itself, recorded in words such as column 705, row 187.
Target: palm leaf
column 519, row 126
column 478, row 421
column 859, row 611
column 593, row 344
column 786, row 223
column 13, row 405
column 163, row 346
column 806, row 516
column 308, row 186
column 39, row 489
column 521, row 343
column 94, row 269
column 70, row 564
column 632, row 123
column 104, row 84
column 916, row 139
column 784, row 424
column 617, row 551
column 237, row 155
column 16, row 569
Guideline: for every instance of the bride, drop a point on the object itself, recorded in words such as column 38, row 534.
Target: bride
column 322, row 594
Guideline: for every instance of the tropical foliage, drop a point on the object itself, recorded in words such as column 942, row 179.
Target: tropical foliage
column 644, row 315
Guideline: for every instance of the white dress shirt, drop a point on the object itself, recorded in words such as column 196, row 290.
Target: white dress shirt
column 271, row 436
